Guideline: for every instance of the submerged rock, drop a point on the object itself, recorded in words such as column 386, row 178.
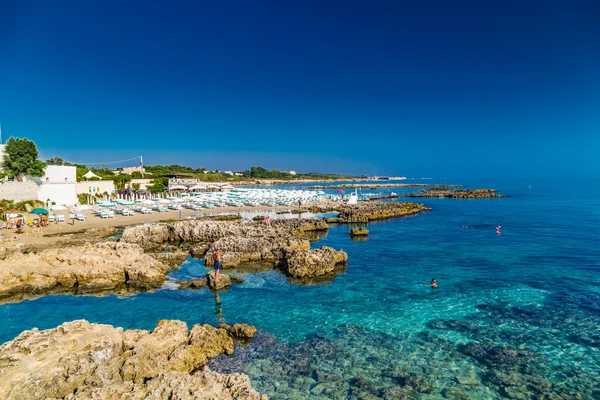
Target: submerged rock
column 194, row 283
column 80, row 360
column 99, row 268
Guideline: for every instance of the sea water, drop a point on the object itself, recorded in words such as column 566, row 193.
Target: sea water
column 516, row 314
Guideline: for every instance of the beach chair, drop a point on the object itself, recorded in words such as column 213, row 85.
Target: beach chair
column 51, row 218
column 60, row 218
column 103, row 214
column 111, row 214
column 80, row 217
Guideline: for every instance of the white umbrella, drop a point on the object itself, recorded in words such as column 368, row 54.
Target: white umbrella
column 164, row 201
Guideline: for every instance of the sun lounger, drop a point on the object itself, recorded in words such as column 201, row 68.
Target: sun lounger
column 111, row 214
column 51, row 218
column 61, row 218
column 80, row 217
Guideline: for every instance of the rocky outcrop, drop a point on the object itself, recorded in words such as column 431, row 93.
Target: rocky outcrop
column 359, row 232
column 313, row 263
column 194, row 283
column 99, row 268
column 79, row 360
column 224, row 281
column 206, row 231
column 457, row 193
column 369, row 210
column 265, row 249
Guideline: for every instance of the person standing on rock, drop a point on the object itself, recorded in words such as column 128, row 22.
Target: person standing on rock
column 217, row 264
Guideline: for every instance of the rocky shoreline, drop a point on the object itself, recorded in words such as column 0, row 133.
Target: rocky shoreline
column 146, row 253
column 79, row 360
column 84, row 269
column 375, row 186
column 456, row 193
column 364, row 212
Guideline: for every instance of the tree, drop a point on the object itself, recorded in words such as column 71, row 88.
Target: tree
column 22, row 158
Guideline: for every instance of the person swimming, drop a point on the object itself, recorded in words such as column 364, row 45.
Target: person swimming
column 433, row 283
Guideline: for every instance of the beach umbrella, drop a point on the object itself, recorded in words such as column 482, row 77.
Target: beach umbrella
column 39, row 211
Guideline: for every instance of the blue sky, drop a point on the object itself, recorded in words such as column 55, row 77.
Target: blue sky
column 448, row 88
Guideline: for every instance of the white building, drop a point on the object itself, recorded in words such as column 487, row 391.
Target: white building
column 292, row 172
column 58, row 185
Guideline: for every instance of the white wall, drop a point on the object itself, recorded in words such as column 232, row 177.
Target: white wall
column 94, row 187
column 60, row 193
column 58, row 173
column 18, row 191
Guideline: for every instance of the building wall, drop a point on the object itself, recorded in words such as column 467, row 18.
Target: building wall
column 60, row 193
column 18, row 191
column 59, row 174
column 94, row 187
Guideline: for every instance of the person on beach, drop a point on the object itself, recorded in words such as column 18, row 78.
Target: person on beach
column 217, row 264
column 433, row 283
column 268, row 222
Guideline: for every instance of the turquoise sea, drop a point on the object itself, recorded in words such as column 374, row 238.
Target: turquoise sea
column 516, row 315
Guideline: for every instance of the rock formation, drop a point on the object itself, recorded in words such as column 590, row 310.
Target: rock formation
column 103, row 267
column 359, row 232
column 79, row 360
column 457, row 193
column 223, row 282
column 313, row 263
column 369, row 210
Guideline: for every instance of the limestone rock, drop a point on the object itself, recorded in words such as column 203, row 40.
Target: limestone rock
column 311, row 263
column 359, row 232
column 194, row 283
column 80, row 269
column 79, row 360
column 457, row 193
column 369, row 210
column 223, row 282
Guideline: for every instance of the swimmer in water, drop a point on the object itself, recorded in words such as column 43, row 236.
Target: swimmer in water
column 433, row 283
column 498, row 229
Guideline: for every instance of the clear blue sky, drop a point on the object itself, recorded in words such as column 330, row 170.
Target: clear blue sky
column 416, row 88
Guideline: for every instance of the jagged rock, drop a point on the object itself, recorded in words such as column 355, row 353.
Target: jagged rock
column 80, row 269
column 359, row 232
column 239, row 331
column 194, row 283
column 311, row 263
column 223, row 282
column 79, row 360
column 236, row 279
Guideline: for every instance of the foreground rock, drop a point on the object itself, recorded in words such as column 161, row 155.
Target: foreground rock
column 103, row 267
column 457, row 193
column 313, row 263
column 79, row 360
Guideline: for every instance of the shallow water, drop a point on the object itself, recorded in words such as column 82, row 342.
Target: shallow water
column 515, row 315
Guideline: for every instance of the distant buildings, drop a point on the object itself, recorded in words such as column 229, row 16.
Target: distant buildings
column 129, row 170
column 292, row 172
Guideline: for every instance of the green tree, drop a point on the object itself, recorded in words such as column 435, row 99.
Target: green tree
column 22, row 158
